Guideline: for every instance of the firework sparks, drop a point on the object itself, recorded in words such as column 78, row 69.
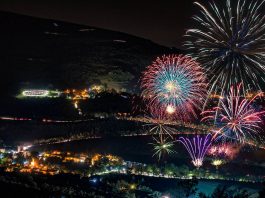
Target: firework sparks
column 176, row 84
column 230, row 43
column 159, row 123
column 226, row 151
column 162, row 146
column 217, row 163
column 236, row 118
column 197, row 147
column 161, row 128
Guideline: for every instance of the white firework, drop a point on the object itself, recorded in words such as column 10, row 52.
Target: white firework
column 229, row 40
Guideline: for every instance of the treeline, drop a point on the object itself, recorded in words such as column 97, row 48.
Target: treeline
column 16, row 184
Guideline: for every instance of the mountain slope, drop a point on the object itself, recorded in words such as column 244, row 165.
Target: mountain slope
column 48, row 53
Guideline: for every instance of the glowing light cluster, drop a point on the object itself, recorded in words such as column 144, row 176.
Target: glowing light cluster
column 236, row 118
column 35, row 93
column 176, row 84
column 39, row 93
column 229, row 40
column 227, row 151
column 217, row 162
column 197, row 147
column 219, row 150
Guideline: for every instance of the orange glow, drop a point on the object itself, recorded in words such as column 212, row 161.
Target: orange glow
column 95, row 159
column 33, row 163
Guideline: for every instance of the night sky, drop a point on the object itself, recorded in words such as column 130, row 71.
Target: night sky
column 161, row 21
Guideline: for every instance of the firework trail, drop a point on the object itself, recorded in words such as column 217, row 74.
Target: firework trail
column 174, row 84
column 229, row 41
column 236, row 118
column 197, row 147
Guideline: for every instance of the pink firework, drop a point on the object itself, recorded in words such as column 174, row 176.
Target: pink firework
column 236, row 118
column 175, row 84
column 227, row 151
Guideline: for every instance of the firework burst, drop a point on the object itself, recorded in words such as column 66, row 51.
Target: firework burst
column 230, row 42
column 197, row 147
column 160, row 128
column 217, row 163
column 236, row 118
column 162, row 146
column 174, row 84
column 224, row 151
column 159, row 123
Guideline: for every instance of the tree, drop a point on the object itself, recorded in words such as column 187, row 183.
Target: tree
column 225, row 192
column 155, row 194
column 202, row 195
column 242, row 194
column 220, row 192
column 186, row 188
column 170, row 169
column 184, row 170
column 262, row 192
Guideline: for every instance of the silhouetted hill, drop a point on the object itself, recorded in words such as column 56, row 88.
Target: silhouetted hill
column 48, row 53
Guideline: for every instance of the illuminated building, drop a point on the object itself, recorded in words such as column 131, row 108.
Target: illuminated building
column 97, row 88
column 95, row 158
column 75, row 159
column 251, row 95
column 35, row 93
column 76, row 94
column 40, row 93
column 216, row 96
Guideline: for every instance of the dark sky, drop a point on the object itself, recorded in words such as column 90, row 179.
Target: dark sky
column 162, row 21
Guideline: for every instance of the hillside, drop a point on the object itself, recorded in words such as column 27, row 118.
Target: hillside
column 53, row 54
